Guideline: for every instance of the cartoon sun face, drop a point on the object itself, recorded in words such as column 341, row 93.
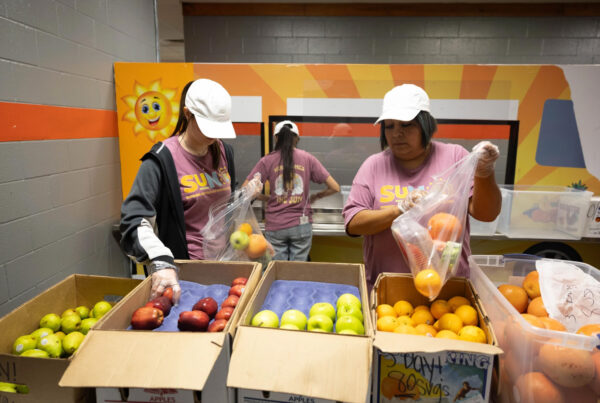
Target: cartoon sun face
column 152, row 109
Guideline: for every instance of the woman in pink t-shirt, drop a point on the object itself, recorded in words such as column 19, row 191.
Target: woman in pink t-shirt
column 289, row 172
column 390, row 182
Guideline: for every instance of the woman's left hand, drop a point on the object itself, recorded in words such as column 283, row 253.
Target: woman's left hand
column 488, row 154
column 254, row 186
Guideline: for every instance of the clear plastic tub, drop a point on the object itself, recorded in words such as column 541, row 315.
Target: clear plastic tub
column 483, row 228
column 543, row 212
column 534, row 356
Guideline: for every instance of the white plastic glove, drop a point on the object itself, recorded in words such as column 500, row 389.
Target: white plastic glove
column 254, row 186
column 412, row 198
column 163, row 279
column 488, row 154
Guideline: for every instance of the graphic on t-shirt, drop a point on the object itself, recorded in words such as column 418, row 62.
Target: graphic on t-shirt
column 295, row 195
column 195, row 185
column 390, row 193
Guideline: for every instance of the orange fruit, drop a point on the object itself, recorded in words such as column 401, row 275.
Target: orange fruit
column 439, row 307
column 257, row 245
column 535, row 387
column 385, row 310
column 457, row 301
column 589, row 330
column 428, row 283
column 421, row 307
column 405, row 320
column 515, row 295
column 446, row 334
column 245, row 227
column 405, row 329
column 403, row 308
column 444, row 227
column 451, row 322
column 387, row 324
column 467, row 314
column 536, row 307
column 568, row 367
column 436, row 325
column 533, row 320
column 425, row 330
column 531, row 284
column 552, row 324
column 422, row 316
column 472, row 333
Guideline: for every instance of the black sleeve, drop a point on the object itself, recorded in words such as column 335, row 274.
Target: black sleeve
column 230, row 165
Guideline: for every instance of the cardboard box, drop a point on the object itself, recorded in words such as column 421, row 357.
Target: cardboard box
column 290, row 365
column 41, row 375
column 425, row 368
column 143, row 362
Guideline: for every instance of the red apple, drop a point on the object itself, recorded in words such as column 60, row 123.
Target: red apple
column 237, row 290
column 239, row 280
column 231, row 301
column 163, row 303
column 169, row 294
column 193, row 321
column 146, row 318
column 217, row 325
column 224, row 313
column 207, row 305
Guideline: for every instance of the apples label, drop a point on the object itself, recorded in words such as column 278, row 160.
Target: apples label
column 44, row 342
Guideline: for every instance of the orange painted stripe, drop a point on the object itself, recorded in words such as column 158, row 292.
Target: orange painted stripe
column 335, row 80
column 473, row 132
column 408, row 74
column 247, row 129
column 476, row 81
column 27, row 122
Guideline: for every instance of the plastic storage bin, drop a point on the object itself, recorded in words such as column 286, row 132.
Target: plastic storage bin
column 483, row 228
column 543, row 212
column 528, row 350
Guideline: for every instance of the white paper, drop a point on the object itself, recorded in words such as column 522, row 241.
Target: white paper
column 570, row 295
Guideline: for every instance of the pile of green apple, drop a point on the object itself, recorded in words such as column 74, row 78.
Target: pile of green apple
column 346, row 316
column 60, row 336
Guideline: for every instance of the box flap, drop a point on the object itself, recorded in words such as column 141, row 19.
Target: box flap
column 144, row 359
column 327, row 366
column 405, row 343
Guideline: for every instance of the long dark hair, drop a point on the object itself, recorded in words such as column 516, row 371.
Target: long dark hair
column 426, row 122
column 182, row 124
column 285, row 145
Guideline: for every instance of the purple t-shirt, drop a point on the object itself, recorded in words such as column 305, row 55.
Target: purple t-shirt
column 201, row 187
column 382, row 181
column 285, row 207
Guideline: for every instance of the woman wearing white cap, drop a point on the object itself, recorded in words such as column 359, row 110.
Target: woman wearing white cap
column 392, row 181
column 178, row 181
column 289, row 171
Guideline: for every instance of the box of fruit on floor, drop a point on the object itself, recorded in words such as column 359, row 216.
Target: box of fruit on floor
column 431, row 351
column 543, row 361
column 304, row 336
column 40, row 338
column 148, row 349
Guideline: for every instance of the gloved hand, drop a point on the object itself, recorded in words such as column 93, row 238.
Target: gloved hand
column 161, row 280
column 488, row 154
column 412, row 198
column 254, row 186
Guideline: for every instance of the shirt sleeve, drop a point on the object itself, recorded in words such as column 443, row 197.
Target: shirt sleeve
column 318, row 173
column 361, row 195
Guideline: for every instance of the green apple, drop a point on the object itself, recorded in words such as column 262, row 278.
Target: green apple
column 24, row 343
column 239, row 240
column 61, row 335
column 265, row 318
column 451, row 252
column 41, row 332
column 348, row 299
column 68, row 312
column 289, row 326
column 347, row 331
column 294, row 317
column 72, row 341
column 7, row 387
column 87, row 324
column 353, row 310
column 319, row 323
column 83, row 312
column 36, row 352
column 101, row 308
column 70, row 323
column 349, row 322
column 322, row 308
column 51, row 321
column 51, row 344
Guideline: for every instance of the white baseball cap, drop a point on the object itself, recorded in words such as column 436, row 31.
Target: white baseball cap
column 294, row 128
column 404, row 103
column 211, row 105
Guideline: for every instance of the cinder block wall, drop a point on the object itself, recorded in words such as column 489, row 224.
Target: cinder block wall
column 404, row 40
column 60, row 197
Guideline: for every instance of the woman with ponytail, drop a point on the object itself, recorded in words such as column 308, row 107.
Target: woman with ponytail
column 289, row 172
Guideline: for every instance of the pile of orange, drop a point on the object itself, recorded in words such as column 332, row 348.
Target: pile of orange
column 455, row 318
column 257, row 243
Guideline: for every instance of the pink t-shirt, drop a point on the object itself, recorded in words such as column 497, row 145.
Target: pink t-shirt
column 286, row 207
column 382, row 181
column 201, row 186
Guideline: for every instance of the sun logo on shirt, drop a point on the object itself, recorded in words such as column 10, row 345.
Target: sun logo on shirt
column 152, row 109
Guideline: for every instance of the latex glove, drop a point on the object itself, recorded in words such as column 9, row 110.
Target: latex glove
column 254, row 186
column 488, row 154
column 161, row 280
column 412, row 198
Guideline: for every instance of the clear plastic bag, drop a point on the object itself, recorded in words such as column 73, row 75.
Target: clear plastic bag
column 430, row 234
column 232, row 232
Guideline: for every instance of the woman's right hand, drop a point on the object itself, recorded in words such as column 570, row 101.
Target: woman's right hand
column 163, row 279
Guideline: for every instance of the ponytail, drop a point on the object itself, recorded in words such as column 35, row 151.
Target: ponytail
column 285, row 145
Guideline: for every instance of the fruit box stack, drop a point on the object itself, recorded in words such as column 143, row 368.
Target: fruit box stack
column 41, row 375
column 272, row 364
column 144, row 365
column 426, row 368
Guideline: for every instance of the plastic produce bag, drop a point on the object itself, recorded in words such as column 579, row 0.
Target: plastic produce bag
column 430, row 234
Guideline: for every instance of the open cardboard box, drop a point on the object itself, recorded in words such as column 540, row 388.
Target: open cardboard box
column 178, row 363
column 284, row 365
column 425, row 367
column 41, row 375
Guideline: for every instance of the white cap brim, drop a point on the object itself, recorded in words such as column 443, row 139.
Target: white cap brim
column 215, row 130
column 403, row 115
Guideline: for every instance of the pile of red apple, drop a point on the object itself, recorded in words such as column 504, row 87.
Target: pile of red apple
column 151, row 315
